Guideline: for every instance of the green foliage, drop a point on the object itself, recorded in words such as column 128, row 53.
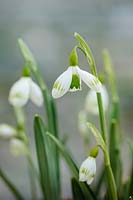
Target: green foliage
column 48, row 145
column 11, row 186
column 45, row 161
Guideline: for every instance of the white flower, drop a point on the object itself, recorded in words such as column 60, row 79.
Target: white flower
column 17, row 147
column 23, row 90
column 91, row 101
column 87, row 170
column 71, row 79
column 7, row 131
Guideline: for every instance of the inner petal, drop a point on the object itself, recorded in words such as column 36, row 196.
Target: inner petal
column 76, row 81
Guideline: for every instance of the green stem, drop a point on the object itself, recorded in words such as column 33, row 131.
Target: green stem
column 109, row 174
column 110, row 178
column 102, row 117
column 11, row 186
column 22, row 133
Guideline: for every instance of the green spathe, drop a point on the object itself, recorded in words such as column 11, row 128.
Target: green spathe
column 26, row 53
column 73, row 59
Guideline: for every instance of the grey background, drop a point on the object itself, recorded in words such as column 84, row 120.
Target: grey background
column 48, row 27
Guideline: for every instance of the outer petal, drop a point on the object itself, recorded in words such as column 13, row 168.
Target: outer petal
column 62, row 84
column 17, row 147
column 90, row 80
column 90, row 179
column 87, row 169
column 36, row 94
column 19, row 93
column 7, row 131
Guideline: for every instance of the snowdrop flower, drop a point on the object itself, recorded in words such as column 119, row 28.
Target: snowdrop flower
column 7, row 131
column 87, row 170
column 17, row 147
column 23, row 90
column 71, row 79
column 91, row 105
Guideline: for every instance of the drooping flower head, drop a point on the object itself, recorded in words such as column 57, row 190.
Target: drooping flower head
column 87, row 170
column 71, row 79
column 18, row 147
column 23, row 90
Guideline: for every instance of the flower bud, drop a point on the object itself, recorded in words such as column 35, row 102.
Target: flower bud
column 7, row 131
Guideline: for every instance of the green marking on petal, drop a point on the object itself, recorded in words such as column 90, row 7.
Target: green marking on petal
column 95, row 82
column 57, row 86
column 84, row 171
column 17, row 95
column 75, row 84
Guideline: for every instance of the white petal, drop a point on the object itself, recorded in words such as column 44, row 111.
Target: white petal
column 62, row 84
column 7, row 131
column 36, row 94
column 87, row 169
column 17, row 147
column 90, row 80
column 91, row 101
column 19, row 93
column 90, row 179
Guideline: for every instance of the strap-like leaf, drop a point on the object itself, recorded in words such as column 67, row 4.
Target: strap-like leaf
column 11, row 186
column 88, row 193
column 42, row 150
column 76, row 190
column 46, row 161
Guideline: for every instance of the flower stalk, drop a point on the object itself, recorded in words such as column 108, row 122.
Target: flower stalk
column 109, row 174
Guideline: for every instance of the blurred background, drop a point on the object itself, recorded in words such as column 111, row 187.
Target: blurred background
column 48, row 27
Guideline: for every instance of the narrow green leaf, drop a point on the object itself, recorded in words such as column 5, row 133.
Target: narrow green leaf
column 76, row 190
column 88, row 193
column 55, row 132
column 11, row 186
column 65, row 154
column 129, row 184
column 42, row 150
column 46, row 161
